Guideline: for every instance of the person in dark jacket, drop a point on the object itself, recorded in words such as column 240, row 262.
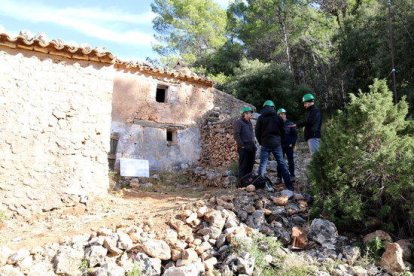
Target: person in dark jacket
column 269, row 134
column 288, row 144
column 312, row 123
column 244, row 136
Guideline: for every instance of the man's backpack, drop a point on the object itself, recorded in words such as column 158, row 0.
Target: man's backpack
column 252, row 179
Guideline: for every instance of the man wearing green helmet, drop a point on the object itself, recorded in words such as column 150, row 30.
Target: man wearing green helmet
column 288, row 144
column 244, row 136
column 269, row 133
column 312, row 123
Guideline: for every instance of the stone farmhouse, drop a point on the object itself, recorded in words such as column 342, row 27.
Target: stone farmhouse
column 68, row 112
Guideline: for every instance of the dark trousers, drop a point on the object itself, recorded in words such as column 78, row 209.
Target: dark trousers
column 288, row 152
column 246, row 161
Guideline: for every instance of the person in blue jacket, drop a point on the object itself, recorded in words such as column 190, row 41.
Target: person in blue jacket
column 288, row 144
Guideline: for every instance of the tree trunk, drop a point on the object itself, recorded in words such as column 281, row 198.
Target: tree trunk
column 286, row 41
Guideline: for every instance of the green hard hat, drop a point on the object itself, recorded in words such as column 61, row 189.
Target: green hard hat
column 281, row 110
column 269, row 103
column 308, row 97
column 246, row 109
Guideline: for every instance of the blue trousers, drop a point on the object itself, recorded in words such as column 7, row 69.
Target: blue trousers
column 281, row 164
column 313, row 144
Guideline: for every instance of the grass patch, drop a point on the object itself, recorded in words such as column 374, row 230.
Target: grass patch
column 282, row 264
column 136, row 271
column 84, row 265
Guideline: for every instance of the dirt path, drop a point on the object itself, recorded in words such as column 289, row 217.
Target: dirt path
column 126, row 207
column 154, row 205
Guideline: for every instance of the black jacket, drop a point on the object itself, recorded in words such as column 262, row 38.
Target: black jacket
column 312, row 123
column 243, row 134
column 269, row 128
column 291, row 134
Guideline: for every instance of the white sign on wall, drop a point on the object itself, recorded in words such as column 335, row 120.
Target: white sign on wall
column 134, row 167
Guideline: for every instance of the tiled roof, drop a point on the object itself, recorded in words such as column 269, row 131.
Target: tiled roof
column 40, row 43
column 183, row 74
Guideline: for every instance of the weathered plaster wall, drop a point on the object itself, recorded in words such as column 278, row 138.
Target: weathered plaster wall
column 141, row 121
column 55, row 118
column 134, row 99
column 135, row 105
column 149, row 143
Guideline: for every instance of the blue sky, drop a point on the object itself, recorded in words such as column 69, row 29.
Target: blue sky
column 124, row 27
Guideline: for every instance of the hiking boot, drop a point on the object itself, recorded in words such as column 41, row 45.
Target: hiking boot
column 269, row 188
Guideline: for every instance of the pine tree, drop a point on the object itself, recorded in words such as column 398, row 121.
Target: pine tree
column 365, row 166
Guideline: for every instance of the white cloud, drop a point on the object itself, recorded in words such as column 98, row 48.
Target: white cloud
column 113, row 25
column 2, row 29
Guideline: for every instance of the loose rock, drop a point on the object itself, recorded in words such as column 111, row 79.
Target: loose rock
column 323, row 232
column 148, row 266
column 95, row 255
column 392, row 259
column 67, row 260
column 157, row 249
column 382, row 235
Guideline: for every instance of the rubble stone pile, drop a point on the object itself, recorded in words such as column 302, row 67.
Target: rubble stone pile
column 205, row 238
column 218, row 146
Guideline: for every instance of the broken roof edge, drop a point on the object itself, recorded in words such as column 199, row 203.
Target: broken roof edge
column 57, row 47
column 183, row 75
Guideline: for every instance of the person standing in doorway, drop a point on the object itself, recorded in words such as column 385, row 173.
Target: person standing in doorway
column 288, row 144
column 312, row 123
column 269, row 133
column 244, row 136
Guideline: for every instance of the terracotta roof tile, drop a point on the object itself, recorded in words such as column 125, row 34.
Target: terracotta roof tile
column 40, row 43
column 57, row 47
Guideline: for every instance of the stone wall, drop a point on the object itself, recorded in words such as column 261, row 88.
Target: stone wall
column 55, row 119
column 141, row 123
column 219, row 149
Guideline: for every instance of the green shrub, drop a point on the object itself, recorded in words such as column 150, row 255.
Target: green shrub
column 255, row 82
column 365, row 166
column 375, row 248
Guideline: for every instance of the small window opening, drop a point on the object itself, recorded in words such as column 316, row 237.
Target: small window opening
column 171, row 136
column 161, row 94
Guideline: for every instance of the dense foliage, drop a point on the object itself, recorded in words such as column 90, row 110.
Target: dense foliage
column 188, row 29
column 255, row 82
column 364, row 171
column 333, row 47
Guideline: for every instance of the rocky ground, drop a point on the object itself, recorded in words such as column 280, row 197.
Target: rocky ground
column 154, row 229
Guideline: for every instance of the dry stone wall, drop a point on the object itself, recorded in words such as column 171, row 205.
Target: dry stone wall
column 219, row 149
column 55, row 118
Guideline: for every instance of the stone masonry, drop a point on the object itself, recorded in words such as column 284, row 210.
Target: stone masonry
column 55, row 121
column 65, row 110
